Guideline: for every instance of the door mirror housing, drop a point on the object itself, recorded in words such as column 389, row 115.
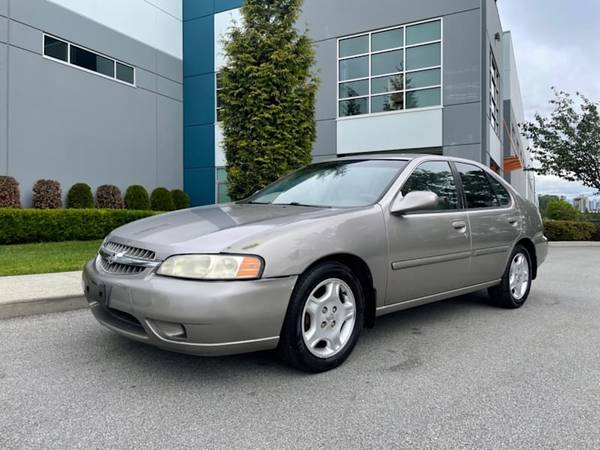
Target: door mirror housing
column 415, row 201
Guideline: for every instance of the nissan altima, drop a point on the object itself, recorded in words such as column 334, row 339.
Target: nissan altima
column 304, row 264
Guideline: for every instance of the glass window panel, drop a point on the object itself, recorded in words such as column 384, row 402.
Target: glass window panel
column 423, row 98
column 434, row 176
column 55, row 48
column 354, row 89
column 423, row 56
column 354, row 46
column 92, row 61
column 354, row 107
column 501, row 193
column 354, row 68
column 389, row 62
column 424, row 32
column 387, row 39
column 478, row 191
column 390, row 83
column 125, row 73
column 390, row 102
column 423, row 78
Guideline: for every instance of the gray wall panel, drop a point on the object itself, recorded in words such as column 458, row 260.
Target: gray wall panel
column 145, row 79
column 4, row 8
column 54, row 19
column 3, row 29
column 326, row 54
column 25, row 37
column 3, row 104
column 169, row 67
column 334, row 18
column 73, row 126
column 169, row 144
column 472, row 151
column 462, row 124
column 462, row 58
column 169, row 88
column 326, row 138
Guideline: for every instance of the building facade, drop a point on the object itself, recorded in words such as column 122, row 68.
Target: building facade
column 422, row 77
column 91, row 92
column 126, row 92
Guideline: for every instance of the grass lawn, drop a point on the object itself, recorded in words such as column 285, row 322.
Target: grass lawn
column 50, row 257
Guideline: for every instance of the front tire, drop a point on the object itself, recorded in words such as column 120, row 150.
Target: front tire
column 514, row 288
column 324, row 318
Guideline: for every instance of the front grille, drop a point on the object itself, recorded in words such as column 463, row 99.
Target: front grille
column 124, row 269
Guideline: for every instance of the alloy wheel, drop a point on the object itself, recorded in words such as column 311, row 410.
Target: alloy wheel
column 328, row 318
column 519, row 276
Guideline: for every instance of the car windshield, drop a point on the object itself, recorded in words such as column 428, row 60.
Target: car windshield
column 337, row 184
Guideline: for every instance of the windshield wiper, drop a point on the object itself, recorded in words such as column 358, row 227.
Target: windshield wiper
column 301, row 204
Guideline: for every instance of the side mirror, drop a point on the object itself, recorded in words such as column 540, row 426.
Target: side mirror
column 415, row 201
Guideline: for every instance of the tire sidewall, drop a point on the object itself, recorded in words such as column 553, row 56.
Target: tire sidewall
column 292, row 332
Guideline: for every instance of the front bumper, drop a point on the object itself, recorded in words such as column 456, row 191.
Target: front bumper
column 196, row 317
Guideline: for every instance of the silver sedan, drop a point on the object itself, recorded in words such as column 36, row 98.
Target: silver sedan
column 303, row 265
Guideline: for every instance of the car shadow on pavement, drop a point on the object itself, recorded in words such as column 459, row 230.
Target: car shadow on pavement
column 397, row 327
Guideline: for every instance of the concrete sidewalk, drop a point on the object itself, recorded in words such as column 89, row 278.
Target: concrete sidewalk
column 40, row 294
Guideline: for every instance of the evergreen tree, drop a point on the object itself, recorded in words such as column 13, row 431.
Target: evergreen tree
column 267, row 96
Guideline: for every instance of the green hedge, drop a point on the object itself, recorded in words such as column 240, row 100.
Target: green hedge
column 20, row 226
column 566, row 230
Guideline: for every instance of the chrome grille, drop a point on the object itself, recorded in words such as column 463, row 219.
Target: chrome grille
column 126, row 250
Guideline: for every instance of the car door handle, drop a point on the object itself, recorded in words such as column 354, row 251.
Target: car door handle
column 459, row 224
column 513, row 220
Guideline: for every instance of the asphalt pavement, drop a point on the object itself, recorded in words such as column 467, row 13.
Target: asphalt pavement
column 456, row 374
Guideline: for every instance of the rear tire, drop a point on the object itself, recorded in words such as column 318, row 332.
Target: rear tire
column 324, row 318
column 514, row 288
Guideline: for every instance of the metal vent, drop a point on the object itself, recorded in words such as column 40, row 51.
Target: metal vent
column 125, row 260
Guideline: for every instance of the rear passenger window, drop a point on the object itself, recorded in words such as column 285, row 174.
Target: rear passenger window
column 501, row 193
column 434, row 176
column 478, row 191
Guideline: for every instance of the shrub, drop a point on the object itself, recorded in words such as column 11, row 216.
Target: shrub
column 180, row 199
column 596, row 235
column 80, row 196
column 10, row 197
column 47, row 194
column 568, row 230
column 137, row 198
column 19, row 226
column 562, row 210
column 109, row 197
column 161, row 200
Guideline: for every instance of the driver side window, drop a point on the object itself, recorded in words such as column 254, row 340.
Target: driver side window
column 436, row 177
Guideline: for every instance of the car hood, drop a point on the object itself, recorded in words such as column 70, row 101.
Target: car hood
column 213, row 229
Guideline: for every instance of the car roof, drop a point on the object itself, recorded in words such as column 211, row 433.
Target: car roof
column 398, row 157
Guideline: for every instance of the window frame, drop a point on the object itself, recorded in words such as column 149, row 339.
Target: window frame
column 494, row 93
column 70, row 64
column 462, row 205
column 487, row 173
column 370, row 77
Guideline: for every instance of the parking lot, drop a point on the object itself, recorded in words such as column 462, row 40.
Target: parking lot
column 460, row 373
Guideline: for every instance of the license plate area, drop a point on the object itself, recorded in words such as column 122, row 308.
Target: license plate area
column 97, row 293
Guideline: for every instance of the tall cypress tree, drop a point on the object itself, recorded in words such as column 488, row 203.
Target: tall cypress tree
column 267, row 96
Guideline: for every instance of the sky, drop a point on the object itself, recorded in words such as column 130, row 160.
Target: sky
column 556, row 44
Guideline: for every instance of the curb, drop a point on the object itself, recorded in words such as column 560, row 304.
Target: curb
column 574, row 244
column 22, row 308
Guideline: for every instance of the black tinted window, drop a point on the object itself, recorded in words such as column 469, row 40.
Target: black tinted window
column 55, row 49
column 92, row 61
column 501, row 193
column 434, row 176
column 478, row 190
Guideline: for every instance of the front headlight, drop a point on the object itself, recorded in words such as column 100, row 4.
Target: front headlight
column 212, row 267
